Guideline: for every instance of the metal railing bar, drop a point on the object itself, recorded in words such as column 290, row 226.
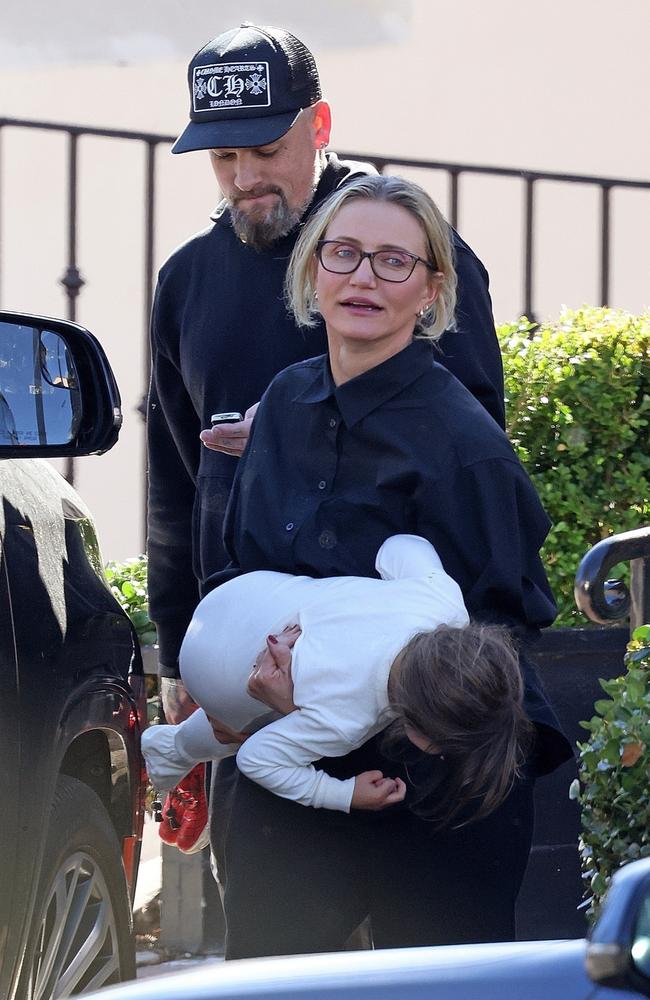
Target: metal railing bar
column 72, row 218
column 454, row 178
column 72, row 280
column 605, row 218
column 529, row 223
column 149, row 277
column 603, row 600
column 470, row 168
column 108, row 133
column 381, row 162
column 639, row 592
column 149, row 244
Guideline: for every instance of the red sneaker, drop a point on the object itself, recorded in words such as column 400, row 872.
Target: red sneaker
column 192, row 786
column 194, row 832
column 172, row 814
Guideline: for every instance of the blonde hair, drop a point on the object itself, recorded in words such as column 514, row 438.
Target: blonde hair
column 299, row 286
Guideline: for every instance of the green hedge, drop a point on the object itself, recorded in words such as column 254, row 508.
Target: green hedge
column 578, row 404
column 128, row 581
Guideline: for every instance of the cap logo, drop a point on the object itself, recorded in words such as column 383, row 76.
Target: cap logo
column 231, row 85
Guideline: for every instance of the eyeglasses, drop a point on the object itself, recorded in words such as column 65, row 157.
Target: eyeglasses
column 389, row 265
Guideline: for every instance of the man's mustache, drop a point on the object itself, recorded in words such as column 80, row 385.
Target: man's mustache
column 255, row 193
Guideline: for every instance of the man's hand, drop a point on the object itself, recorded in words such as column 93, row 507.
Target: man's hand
column 270, row 681
column 231, row 439
column 224, row 734
column 373, row 791
column 176, row 702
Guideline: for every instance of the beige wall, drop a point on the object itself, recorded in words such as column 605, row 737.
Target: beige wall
column 561, row 86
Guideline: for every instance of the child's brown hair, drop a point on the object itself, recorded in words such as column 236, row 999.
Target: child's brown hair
column 462, row 689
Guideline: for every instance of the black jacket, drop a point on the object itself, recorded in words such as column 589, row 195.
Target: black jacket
column 220, row 332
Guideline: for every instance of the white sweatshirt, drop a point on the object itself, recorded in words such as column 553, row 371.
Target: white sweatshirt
column 352, row 629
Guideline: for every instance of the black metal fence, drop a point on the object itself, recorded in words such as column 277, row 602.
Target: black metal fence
column 72, row 279
column 73, row 282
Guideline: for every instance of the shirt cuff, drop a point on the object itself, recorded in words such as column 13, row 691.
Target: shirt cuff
column 334, row 793
column 170, row 637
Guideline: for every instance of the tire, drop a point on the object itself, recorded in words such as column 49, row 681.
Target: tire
column 82, row 928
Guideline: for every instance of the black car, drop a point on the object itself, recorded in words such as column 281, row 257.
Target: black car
column 72, row 701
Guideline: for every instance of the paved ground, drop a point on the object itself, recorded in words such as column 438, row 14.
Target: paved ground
column 152, row 961
column 151, row 964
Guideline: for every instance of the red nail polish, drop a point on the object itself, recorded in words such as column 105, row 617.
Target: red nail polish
column 271, row 638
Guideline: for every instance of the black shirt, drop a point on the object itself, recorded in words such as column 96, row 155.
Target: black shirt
column 331, row 471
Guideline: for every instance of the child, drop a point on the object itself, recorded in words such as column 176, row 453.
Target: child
column 362, row 654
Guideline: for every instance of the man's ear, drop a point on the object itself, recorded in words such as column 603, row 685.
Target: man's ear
column 322, row 124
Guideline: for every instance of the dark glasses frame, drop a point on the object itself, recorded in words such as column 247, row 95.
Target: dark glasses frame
column 371, row 254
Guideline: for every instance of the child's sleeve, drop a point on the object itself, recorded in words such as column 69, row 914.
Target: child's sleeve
column 280, row 758
column 407, row 559
column 403, row 557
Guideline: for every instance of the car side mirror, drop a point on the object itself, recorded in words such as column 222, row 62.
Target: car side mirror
column 618, row 950
column 58, row 395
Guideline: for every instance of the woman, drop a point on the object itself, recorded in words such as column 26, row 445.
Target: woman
column 372, row 440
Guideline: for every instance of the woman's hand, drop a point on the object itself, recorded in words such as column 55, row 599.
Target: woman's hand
column 224, row 734
column 231, row 439
column 270, row 681
column 373, row 791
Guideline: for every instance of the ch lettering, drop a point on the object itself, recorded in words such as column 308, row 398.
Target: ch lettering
column 234, row 86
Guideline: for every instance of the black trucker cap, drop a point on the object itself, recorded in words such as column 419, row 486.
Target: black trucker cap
column 247, row 87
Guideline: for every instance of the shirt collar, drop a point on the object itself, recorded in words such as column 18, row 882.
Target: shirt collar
column 361, row 395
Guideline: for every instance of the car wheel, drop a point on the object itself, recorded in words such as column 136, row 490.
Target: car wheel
column 82, row 927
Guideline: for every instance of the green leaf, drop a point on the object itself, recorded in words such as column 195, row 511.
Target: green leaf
column 638, row 655
column 128, row 583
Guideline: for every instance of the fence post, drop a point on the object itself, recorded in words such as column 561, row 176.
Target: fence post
column 639, row 592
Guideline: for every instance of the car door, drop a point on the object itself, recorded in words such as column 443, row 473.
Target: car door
column 12, row 899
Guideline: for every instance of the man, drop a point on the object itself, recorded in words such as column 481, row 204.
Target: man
column 220, row 330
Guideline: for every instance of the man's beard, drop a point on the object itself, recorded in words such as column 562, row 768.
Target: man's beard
column 260, row 232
